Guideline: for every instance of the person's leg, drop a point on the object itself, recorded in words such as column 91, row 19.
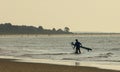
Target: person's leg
column 79, row 50
column 76, row 51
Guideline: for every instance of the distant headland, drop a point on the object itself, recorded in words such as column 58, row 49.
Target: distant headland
column 8, row 28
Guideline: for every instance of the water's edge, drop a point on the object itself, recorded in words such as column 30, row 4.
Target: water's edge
column 101, row 65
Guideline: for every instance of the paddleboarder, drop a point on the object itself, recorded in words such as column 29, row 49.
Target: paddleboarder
column 77, row 45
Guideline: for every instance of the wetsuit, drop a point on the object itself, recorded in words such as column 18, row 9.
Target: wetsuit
column 77, row 45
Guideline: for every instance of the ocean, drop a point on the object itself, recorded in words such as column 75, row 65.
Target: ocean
column 105, row 49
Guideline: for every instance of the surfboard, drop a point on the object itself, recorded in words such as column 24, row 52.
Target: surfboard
column 89, row 49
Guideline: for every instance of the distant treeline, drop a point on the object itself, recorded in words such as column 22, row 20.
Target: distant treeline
column 8, row 28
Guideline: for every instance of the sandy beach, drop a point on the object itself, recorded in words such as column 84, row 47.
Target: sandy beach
column 7, row 65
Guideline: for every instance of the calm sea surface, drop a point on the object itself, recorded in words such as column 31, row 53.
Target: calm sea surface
column 106, row 48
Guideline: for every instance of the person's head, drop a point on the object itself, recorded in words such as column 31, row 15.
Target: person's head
column 76, row 40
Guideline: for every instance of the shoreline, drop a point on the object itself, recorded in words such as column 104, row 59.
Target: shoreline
column 100, row 65
column 23, row 64
column 9, row 65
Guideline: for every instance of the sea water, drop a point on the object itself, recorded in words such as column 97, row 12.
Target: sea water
column 105, row 48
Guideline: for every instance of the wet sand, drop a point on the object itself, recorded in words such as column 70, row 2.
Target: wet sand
column 7, row 65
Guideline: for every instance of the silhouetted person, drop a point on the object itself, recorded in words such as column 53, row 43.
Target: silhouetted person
column 77, row 45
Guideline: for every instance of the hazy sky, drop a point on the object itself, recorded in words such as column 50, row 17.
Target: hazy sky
column 78, row 15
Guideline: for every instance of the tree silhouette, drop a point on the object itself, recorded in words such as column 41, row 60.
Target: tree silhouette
column 40, row 27
column 53, row 29
column 66, row 29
